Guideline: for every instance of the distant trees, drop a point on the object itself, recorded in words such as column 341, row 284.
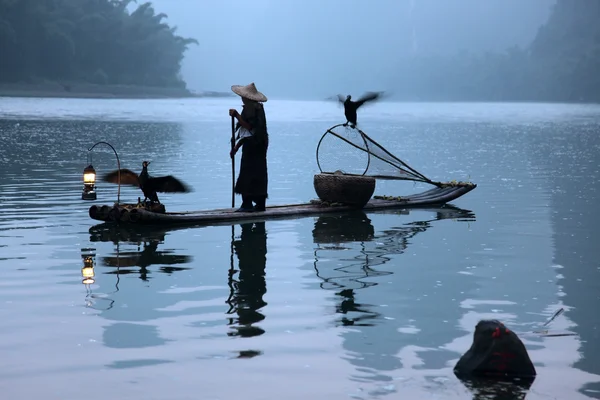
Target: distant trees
column 566, row 52
column 467, row 76
column 561, row 64
column 95, row 41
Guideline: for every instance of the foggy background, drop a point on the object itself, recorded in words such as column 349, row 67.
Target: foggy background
column 315, row 49
column 425, row 50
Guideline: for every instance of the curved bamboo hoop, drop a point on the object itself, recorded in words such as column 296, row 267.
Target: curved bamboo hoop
column 417, row 176
column 329, row 131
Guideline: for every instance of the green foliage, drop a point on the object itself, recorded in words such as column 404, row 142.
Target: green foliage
column 96, row 41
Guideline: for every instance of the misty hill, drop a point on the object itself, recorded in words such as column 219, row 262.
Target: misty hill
column 93, row 41
column 298, row 49
column 454, row 50
column 561, row 63
column 566, row 52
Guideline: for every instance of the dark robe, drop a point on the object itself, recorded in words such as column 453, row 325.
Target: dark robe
column 253, row 178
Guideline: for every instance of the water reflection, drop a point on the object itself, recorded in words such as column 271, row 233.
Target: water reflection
column 571, row 175
column 147, row 253
column 97, row 301
column 247, row 291
column 371, row 261
column 131, row 329
column 335, row 233
column 341, row 232
column 487, row 389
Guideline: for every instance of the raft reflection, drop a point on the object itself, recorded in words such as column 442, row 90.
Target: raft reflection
column 147, row 240
column 332, row 232
column 246, row 293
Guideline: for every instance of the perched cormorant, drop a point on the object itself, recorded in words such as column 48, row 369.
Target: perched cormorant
column 149, row 185
column 350, row 106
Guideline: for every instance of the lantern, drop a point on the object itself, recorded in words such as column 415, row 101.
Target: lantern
column 87, row 272
column 89, row 183
column 89, row 176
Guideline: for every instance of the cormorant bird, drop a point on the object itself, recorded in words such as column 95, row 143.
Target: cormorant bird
column 350, row 106
column 149, row 185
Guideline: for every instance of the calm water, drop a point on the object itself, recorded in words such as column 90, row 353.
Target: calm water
column 357, row 306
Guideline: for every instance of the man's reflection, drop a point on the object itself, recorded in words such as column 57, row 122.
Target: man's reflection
column 247, row 292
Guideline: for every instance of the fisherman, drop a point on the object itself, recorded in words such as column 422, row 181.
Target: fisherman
column 253, row 137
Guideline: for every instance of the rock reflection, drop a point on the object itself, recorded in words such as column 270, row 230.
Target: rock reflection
column 488, row 389
column 147, row 240
column 247, row 291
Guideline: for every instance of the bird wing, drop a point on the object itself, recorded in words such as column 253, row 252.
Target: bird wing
column 341, row 98
column 169, row 184
column 128, row 177
column 369, row 96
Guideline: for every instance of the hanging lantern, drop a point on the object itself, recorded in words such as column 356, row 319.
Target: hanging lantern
column 89, row 183
column 87, row 272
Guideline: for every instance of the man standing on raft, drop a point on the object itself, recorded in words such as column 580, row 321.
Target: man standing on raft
column 253, row 137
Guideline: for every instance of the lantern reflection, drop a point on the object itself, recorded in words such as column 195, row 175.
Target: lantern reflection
column 87, row 272
column 98, row 301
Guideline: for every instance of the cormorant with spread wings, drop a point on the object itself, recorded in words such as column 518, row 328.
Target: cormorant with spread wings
column 149, row 185
column 350, row 106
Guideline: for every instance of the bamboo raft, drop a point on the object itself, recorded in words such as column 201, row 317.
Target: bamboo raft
column 138, row 214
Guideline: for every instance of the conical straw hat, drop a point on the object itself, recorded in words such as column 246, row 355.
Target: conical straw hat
column 249, row 92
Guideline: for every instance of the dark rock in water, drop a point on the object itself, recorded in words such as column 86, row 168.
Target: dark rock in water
column 496, row 352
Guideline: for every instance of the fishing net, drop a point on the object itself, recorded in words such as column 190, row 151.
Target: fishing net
column 351, row 151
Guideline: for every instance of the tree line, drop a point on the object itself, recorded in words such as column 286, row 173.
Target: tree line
column 93, row 41
column 100, row 41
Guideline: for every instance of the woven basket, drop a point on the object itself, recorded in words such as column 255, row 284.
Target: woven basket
column 347, row 189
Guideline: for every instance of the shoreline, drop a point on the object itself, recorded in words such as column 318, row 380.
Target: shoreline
column 91, row 91
column 125, row 92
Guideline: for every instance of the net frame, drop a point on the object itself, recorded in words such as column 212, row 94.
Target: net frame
column 394, row 161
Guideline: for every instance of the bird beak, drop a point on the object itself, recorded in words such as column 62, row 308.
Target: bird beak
column 148, row 163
